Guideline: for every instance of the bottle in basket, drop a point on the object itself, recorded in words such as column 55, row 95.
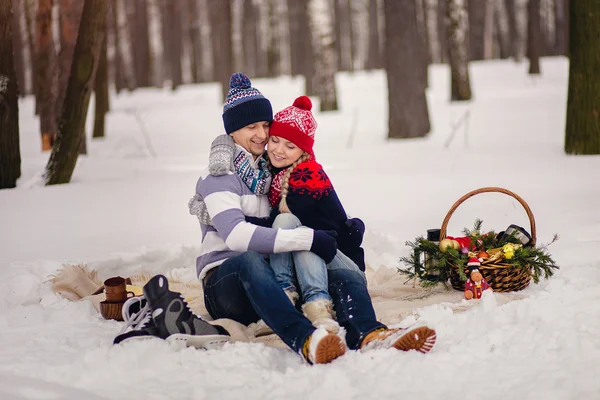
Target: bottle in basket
column 431, row 272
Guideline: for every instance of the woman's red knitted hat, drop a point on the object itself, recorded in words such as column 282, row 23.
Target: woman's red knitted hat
column 296, row 124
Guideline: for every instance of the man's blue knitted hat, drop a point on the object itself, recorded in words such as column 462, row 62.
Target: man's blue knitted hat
column 244, row 105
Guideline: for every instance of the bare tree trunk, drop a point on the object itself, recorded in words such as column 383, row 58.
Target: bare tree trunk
column 92, row 30
column 117, row 62
column 296, row 37
column 488, row 30
column 46, row 73
column 10, row 153
column 126, row 43
column 323, row 41
column 142, row 56
column 561, row 13
column 101, row 93
column 273, row 51
column 175, row 47
column 422, row 25
column 351, row 36
column 534, row 36
column 220, row 19
column 195, row 40
column 458, row 35
column 408, row 114
column 476, row 28
column 70, row 14
column 308, row 52
column 29, row 15
column 441, row 22
column 17, row 46
column 338, row 21
column 374, row 51
column 583, row 104
column 503, row 28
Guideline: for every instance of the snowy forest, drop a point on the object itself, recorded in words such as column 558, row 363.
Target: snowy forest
column 55, row 48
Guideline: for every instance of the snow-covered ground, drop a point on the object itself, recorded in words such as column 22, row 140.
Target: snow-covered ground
column 126, row 210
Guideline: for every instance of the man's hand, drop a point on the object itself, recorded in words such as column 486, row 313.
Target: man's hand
column 220, row 160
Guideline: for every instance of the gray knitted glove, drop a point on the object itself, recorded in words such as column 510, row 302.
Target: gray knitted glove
column 220, row 161
column 198, row 208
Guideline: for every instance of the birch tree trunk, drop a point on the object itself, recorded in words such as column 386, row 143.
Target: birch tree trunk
column 534, row 36
column 458, row 35
column 323, row 38
column 46, row 73
column 503, row 28
column 10, row 153
column 374, row 49
column 408, row 113
column 582, row 134
column 81, row 80
column 126, row 45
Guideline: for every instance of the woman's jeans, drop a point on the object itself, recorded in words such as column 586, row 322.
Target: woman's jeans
column 304, row 267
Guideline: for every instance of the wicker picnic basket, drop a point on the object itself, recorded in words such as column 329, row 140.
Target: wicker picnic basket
column 502, row 276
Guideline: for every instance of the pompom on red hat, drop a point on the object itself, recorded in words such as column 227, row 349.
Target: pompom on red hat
column 474, row 262
column 296, row 124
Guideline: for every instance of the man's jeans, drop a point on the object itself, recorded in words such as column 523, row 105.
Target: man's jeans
column 244, row 288
column 308, row 269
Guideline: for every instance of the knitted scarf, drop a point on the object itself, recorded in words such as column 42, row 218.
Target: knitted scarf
column 255, row 174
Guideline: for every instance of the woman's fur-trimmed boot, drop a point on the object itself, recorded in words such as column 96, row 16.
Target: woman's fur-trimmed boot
column 320, row 313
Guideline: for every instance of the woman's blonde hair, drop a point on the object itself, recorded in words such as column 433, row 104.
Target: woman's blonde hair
column 283, row 207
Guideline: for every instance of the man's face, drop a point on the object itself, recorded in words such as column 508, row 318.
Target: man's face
column 253, row 137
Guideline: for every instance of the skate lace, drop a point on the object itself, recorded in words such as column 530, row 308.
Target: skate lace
column 135, row 321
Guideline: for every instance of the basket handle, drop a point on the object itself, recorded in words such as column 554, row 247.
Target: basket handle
column 488, row 190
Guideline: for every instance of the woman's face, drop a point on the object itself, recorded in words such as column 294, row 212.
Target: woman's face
column 282, row 152
column 253, row 137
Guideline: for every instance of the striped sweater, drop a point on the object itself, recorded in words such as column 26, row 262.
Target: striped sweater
column 228, row 200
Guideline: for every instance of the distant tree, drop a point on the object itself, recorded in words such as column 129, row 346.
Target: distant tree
column 458, row 34
column 70, row 13
column 534, row 33
column 142, row 58
column 323, row 37
column 101, row 92
column 297, row 37
column 18, row 46
column 46, row 73
column 174, row 48
column 10, row 153
column 28, row 12
column 374, row 59
column 220, row 20
column 195, row 40
column 81, row 80
column 117, row 63
column 408, row 113
column 583, row 102
column 562, row 32
column 502, row 24
column 307, row 51
column 476, row 28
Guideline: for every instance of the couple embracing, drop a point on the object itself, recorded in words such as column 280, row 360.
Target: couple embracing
column 277, row 246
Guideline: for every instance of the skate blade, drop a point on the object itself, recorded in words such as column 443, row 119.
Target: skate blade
column 204, row 342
